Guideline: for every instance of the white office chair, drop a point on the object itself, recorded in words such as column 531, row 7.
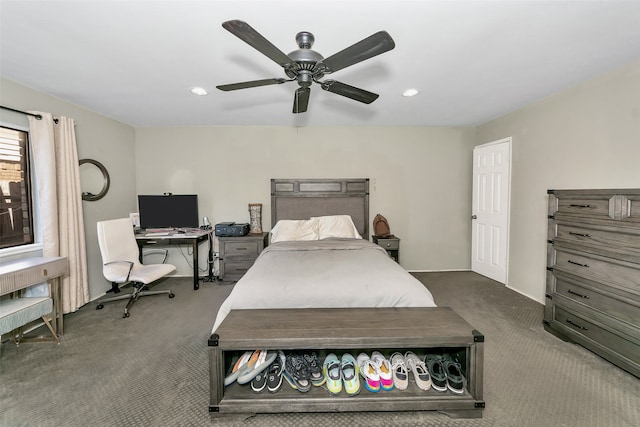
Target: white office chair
column 121, row 265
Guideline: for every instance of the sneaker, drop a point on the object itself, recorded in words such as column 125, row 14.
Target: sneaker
column 384, row 369
column 274, row 373
column 455, row 379
column 399, row 371
column 331, row 371
column 259, row 361
column 437, row 371
column 419, row 370
column 259, row 382
column 349, row 370
column 296, row 372
column 369, row 372
column 237, row 367
column 315, row 370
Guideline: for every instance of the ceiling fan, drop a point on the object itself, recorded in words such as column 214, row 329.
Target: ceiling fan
column 306, row 66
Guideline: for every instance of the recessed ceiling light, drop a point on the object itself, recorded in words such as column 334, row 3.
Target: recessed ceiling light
column 410, row 92
column 199, row 91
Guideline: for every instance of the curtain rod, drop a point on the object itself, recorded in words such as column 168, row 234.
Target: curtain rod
column 37, row 116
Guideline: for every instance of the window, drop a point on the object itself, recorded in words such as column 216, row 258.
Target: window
column 16, row 218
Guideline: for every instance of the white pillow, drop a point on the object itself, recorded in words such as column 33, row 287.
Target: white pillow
column 293, row 229
column 336, row 226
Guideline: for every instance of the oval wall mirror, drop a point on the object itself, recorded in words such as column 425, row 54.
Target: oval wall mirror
column 94, row 179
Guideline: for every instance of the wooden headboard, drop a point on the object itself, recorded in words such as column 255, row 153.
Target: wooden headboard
column 304, row 198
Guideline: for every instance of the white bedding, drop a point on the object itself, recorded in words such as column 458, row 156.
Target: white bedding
column 328, row 273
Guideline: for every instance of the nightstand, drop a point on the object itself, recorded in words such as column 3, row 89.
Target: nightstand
column 237, row 254
column 390, row 243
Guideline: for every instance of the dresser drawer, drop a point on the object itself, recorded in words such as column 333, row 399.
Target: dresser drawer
column 598, row 268
column 588, row 236
column 249, row 249
column 615, row 307
column 582, row 326
column 593, row 206
column 235, row 268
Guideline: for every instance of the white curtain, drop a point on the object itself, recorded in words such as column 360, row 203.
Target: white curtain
column 57, row 175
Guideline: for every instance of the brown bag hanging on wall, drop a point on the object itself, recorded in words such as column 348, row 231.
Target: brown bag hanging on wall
column 381, row 226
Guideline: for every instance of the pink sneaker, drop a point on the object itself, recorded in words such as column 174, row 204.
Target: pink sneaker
column 369, row 372
column 384, row 370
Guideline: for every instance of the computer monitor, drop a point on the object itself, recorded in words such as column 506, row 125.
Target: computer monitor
column 168, row 211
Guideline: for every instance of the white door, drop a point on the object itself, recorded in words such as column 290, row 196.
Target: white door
column 490, row 210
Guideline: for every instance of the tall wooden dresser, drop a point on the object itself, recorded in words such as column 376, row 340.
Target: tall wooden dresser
column 593, row 272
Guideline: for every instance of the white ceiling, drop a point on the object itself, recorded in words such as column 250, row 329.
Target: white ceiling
column 473, row 61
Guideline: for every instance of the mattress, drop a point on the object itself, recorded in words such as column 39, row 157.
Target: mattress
column 328, row 273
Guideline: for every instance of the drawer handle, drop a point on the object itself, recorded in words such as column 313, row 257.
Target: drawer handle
column 581, row 206
column 580, row 234
column 577, row 263
column 569, row 321
column 577, row 294
column 241, row 249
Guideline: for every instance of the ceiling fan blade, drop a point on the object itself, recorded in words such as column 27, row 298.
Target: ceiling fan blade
column 246, row 33
column 373, row 45
column 301, row 100
column 254, row 83
column 349, row 91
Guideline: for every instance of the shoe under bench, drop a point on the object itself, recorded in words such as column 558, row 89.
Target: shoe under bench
column 342, row 330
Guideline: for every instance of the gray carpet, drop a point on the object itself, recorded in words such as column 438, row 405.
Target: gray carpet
column 152, row 369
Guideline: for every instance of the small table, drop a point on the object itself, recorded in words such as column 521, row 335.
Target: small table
column 22, row 273
column 237, row 254
column 390, row 243
column 192, row 237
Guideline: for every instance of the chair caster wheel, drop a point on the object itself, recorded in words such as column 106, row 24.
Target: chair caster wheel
column 99, row 307
column 125, row 315
column 172, row 295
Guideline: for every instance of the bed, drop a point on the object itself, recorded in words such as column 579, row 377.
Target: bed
column 320, row 256
column 320, row 284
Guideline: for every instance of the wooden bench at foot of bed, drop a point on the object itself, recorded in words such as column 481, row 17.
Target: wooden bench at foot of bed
column 342, row 330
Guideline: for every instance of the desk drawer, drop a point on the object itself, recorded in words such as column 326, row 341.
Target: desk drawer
column 33, row 274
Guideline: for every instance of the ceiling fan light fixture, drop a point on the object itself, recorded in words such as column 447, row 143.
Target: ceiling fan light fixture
column 410, row 92
column 200, row 91
column 306, row 66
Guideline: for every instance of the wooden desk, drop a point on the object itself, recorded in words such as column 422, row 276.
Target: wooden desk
column 192, row 238
column 22, row 273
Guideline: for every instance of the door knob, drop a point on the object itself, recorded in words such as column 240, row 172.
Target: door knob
column 474, row 216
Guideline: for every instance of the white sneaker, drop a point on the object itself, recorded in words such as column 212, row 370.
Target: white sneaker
column 419, row 370
column 370, row 372
column 399, row 371
column 384, row 370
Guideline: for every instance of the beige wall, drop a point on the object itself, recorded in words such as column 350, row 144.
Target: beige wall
column 420, row 177
column 108, row 141
column 587, row 137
